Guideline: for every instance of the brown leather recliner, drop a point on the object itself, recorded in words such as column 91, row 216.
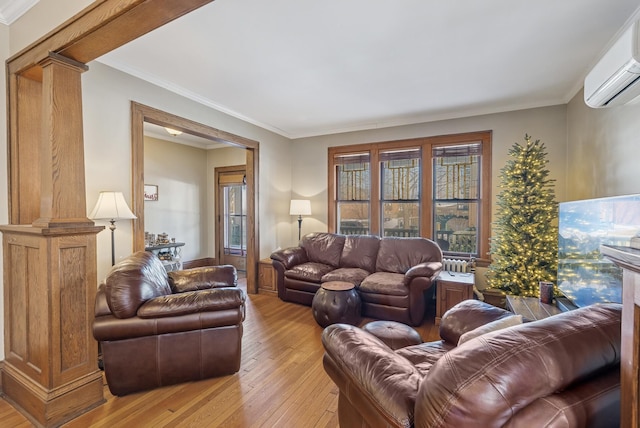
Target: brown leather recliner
column 562, row 371
column 159, row 329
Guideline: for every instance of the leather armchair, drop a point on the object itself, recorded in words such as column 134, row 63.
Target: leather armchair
column 159, row 329
column 562, row 371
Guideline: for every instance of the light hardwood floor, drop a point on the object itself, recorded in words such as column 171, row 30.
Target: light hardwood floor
column 281, row 382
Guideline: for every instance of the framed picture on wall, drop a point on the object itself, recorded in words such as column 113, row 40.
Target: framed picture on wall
column 150, row 192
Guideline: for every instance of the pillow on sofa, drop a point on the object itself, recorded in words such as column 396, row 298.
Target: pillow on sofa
column 489, row 327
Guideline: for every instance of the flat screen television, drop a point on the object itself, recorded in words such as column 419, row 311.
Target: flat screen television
column 584, row 275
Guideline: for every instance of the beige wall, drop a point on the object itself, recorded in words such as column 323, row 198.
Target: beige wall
column 182, row 210
column 603, row 150
column 107, row 94
column 310, row 168
column 43, row 17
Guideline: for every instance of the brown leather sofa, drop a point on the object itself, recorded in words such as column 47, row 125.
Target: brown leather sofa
column 562, row 371
column 391, row 274
column 158, row 329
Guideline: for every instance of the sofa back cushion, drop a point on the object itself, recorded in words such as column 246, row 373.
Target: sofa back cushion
column 360, row 251
column 398, row 255
column 485, row 381
column 325, row 248
column 133, row 281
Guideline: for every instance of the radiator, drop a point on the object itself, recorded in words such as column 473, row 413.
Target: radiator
column 454, row 265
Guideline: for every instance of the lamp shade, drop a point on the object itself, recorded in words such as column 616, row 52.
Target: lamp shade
column 300, row 207
column 111, row 206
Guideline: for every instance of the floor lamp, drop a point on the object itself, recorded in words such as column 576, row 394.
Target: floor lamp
column 300, row 207
column 111, row 206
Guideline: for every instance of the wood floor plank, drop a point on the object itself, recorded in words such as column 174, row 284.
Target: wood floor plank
column 281, row 382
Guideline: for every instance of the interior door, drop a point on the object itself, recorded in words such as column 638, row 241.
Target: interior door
column 232, row 218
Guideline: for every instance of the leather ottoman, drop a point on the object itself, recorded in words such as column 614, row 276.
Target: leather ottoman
column 394, row 334
column 336, row 302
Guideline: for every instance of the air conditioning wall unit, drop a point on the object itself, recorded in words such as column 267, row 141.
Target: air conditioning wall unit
column 615, row 79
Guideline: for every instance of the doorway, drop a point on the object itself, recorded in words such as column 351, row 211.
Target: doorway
column 231, row 215
column 141, row 114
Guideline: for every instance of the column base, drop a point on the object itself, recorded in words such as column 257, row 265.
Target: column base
column 51, row 407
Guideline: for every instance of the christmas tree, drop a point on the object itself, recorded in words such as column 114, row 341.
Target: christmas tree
column 524, row 247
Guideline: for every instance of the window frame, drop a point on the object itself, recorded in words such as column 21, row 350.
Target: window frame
column 425, row 144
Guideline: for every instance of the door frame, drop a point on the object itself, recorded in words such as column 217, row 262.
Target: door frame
column 219, row 211
column 141, row 113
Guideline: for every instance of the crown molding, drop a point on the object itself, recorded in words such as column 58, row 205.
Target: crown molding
column 10, row 10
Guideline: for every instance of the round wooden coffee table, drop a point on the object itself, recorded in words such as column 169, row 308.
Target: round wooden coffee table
column 336, row 302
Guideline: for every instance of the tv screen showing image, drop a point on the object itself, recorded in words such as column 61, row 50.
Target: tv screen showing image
column 584, row 275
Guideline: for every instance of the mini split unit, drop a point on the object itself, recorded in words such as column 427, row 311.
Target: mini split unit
column 615, row 79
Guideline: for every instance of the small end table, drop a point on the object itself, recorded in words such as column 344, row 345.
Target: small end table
column 451, row 289
column 336, row 302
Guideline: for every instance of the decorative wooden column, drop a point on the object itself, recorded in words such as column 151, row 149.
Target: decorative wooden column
column 50, row 370
column 629, row 260
column 62, row 191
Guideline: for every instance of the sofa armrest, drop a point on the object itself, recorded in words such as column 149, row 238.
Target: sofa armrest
column 215, row 299
column 101, row 306
column 290, row 257
column 202, row 278
column 466, row 316
column 371, row 375
column 426, row 269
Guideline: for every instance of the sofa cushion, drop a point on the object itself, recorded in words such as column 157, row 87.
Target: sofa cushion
column 189, row 302
column 398, row 255
column 384, row 283
column 325, row 248
column 309, row 271
column 133, row 281
column 352, row 275
column 489, row 327
column 360, row 251
column 202, row 278
column 424, row 355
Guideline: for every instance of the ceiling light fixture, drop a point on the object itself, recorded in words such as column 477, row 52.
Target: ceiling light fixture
column 173, row 132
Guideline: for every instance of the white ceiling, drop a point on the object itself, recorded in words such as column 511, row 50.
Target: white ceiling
column 303, row 68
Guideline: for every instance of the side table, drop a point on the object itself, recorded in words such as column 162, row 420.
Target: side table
column 336, row 302
column 530, row 307
column 266, row 277
column 169, row 254
column 451, row 289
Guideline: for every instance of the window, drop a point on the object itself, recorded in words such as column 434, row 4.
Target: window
column 456, row 196
column 400, row 192
column 353, row 192
column 436, row 187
